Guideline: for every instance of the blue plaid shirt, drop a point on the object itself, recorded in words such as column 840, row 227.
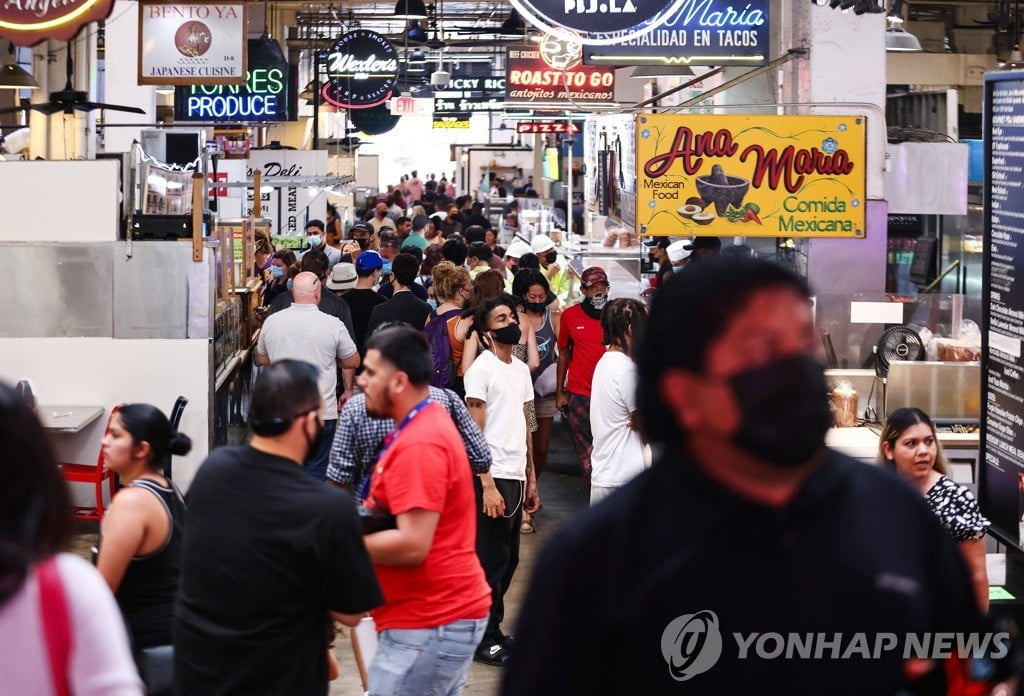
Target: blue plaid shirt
column 358, row 438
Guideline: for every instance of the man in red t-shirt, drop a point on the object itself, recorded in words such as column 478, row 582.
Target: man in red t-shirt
column 436, row 596
column 579, row 348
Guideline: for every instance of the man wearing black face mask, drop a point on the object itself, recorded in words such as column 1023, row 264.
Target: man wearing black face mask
column 746, row 526
column 553, row 266
column 255, row 515
column 498, row 391
column 580, row 346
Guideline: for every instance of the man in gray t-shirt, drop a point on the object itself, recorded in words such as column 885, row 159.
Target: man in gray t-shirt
column 303, row 332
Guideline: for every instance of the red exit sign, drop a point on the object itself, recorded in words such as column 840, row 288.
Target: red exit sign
column 546, row 127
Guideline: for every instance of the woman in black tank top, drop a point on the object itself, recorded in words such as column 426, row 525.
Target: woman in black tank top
column 142, row 531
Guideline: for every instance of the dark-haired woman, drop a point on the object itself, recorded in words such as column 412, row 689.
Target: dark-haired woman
column 908, row 445
column 142, row 531
column 538, row 311
column 85, row 637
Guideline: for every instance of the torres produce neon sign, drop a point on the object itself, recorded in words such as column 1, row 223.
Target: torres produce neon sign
column 261, row 99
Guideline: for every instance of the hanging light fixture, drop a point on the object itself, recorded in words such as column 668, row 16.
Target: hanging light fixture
column 416, row 33
column 410, row 9
column 417, row 58
column 514, row 25
column 898, row 39
column 13, row 76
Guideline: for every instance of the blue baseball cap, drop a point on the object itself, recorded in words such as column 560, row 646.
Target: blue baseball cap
column 369, row 261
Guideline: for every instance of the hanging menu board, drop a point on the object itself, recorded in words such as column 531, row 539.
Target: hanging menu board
column 1002, row 436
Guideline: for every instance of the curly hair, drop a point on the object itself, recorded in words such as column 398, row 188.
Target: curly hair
column 623, row 322
column 448, row 280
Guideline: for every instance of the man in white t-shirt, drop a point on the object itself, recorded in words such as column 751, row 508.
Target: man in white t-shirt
column 618, row 453
column 498, row 393
column 303, row 332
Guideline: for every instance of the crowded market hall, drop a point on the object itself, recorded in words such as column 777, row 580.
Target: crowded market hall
column 409, row 347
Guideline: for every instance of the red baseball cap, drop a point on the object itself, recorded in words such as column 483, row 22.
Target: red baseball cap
column 593, row 276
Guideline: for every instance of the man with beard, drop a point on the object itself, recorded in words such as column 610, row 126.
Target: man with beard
column 498, row 393
column 437, row 597
column 271, row 555
column 580, row 346
column 747, row 526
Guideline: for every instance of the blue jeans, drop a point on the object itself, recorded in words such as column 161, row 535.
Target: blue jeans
column 316, row 466
column 425, row 661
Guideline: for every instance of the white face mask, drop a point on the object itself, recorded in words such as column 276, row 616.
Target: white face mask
column 315, row 240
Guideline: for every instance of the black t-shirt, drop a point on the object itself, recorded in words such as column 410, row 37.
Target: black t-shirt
column 387, row 291
column 268, row 551
column 855, row 551
column 361, row 302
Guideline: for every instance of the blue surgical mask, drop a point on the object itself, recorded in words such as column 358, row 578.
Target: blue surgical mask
column 386, row 268
column 433, row 303
column 315, row 240
column 277, row 271
column 289, row 283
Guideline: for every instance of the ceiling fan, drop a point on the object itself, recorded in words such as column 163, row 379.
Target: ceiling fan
column 69, row 100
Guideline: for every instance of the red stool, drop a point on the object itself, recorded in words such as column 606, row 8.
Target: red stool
column 96, row 475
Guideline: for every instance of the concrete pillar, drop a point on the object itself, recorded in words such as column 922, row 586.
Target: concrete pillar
column 847, row 64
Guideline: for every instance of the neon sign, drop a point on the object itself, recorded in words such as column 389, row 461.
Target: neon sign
column 27, row 22
column 263, row 98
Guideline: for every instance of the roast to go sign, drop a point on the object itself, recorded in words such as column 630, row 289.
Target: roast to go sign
column 27, row 22
column 362, row 67
column 192, row 43
column 751, row 176
column 533, row 78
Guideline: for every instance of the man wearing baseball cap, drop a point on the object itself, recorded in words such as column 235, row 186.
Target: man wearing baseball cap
column 552, row 265
column 703, row 248
column 580, row 346
column 363, row 298
column 516, row 250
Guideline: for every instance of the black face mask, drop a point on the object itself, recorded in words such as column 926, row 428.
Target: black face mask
column 363, row 243
column 315, row 442
column 509, row 335
column 589, row 309
column 784, row 409
column 535, row 307
column 551, row 257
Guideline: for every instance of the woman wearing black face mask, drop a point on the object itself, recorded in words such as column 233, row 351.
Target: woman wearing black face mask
column 540, row 311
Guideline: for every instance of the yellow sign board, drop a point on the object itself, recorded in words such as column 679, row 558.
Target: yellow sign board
column 750, row 176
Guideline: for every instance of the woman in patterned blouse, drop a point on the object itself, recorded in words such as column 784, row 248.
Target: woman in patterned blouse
column 908, row 444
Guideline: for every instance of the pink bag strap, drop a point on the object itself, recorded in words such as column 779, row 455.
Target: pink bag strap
column 56, row 626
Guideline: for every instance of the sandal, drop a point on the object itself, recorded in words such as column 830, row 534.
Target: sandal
column 527, row 527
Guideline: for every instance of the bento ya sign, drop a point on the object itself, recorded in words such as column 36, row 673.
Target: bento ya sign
column 263, row 98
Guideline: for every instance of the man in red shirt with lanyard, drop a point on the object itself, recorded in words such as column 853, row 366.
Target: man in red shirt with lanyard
column 437, row 598
column 580, row 346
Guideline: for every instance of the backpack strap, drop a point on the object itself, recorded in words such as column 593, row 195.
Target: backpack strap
column 56, row 624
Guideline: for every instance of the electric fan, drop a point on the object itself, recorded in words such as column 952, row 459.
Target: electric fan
column 897, row 343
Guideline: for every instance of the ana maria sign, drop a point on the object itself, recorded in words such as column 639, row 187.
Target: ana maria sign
column 27, row 22
column 698, row 32
column 362, row 68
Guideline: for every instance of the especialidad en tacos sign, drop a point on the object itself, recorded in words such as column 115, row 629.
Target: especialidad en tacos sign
column 750, row 176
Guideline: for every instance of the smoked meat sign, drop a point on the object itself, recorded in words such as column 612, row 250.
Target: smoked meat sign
column 750, row 176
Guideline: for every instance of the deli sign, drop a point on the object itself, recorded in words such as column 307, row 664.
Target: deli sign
column 362, row 68
column 751, row 176
column 27, row 22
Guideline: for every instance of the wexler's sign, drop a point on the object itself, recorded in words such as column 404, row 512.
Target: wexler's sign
column 362, row 68
column 192, row 44
column 750, row 176
column 698, row 32
column 27, row 22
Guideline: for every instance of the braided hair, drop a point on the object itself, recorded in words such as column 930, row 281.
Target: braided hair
column 623, row 321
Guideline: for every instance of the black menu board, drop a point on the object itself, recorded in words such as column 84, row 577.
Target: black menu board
column 1001, row 487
